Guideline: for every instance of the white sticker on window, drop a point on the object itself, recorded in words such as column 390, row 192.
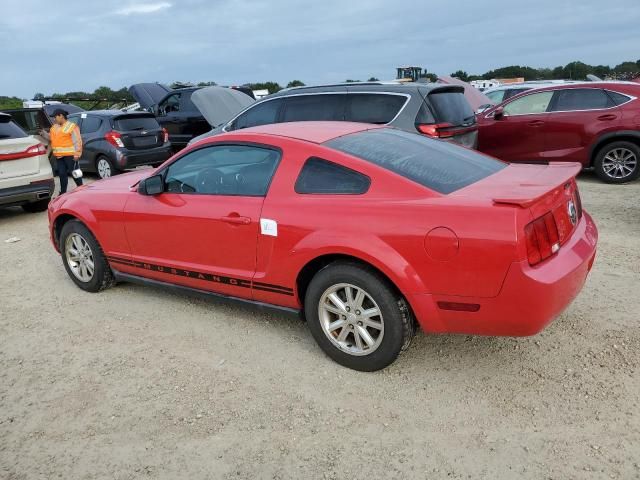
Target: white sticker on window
column 269, row 227
column 83, row 115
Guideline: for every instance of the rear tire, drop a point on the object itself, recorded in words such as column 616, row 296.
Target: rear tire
column 83, row 258
column 618, row 162
column 356, row 316
column 35, row 207
column 105, row 168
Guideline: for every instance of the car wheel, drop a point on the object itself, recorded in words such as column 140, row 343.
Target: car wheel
column 618, row 162
column 39, row 206
column 356, row 317
column 105, row 168
column 83, row 258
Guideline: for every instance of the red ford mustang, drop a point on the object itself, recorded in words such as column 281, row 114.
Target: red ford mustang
column 366, row 230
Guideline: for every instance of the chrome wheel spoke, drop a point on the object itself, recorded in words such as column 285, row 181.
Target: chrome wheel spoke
column 362, row 333
column 373, row 324
column 335, row 325
column 343, row 334
column 372, row 312
column 79, row 257
column 335, row 299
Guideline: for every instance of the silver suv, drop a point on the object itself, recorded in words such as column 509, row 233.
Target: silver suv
column 26, row 178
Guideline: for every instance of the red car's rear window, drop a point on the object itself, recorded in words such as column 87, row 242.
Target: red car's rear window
column 437, row 165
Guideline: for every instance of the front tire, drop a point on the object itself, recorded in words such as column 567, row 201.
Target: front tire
column 83, row 258
column 356, row 317
column 618, row 162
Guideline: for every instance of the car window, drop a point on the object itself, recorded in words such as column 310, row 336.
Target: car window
column 580, row 99
column 90, row 124
column 617, row 98
column 496, row 97
column 30, row 120
column 223, row 170
column 128, row 123
column 314, row 108
column 171, row 104
column 75, row 119
column 262, row 113
column 529, row 104
column 186, row 105
column 324, row 177
column 452, row 108
column 10, row 129
column 512, row 92
column 374, row 108
column 437, row 165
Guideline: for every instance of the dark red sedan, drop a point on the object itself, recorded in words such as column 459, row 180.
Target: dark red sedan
column 596, row 124
column 366, row 230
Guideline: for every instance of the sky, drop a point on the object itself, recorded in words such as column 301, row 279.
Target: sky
column 53, row 46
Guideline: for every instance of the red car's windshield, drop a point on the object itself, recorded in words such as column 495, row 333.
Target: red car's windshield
column 437, row 165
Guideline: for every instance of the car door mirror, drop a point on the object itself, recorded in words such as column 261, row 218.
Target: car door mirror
column 498, row 113
column 151, row 186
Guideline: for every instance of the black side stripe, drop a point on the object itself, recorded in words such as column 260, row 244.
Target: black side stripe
column 211, row 277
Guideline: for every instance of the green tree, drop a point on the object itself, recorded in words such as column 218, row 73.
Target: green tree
column 348, row 80
column 39, row 96
column 295, row 83
column 207, row 84
column 373, row 79
column 273, row 87
column 461, row 75
column 627, row 67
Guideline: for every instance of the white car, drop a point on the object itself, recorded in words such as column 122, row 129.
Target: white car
column 26, row 178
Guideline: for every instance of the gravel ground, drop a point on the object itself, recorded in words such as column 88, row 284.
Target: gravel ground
column 140, row 383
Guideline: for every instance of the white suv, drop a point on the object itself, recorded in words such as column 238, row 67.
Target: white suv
column 26, row 178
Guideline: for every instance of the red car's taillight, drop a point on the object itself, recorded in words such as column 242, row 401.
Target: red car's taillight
column 32, row 151
column 114, row 138
column 542, row 238
column 165, row 135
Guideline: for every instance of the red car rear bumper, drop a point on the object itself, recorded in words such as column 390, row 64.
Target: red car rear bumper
column 530, row 298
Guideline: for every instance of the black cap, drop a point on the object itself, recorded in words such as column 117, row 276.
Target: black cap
column 59, row 111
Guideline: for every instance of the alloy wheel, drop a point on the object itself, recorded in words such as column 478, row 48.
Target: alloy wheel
column 79, row 257
column 351, row 319
column 619, row 163
column 104, row 168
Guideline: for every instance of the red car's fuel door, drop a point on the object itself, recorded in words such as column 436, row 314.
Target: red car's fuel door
column 516, row 134
column 202, row 231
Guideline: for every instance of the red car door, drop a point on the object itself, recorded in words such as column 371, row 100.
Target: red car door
column 516, row 135
column 202, row 231
column 577, row 117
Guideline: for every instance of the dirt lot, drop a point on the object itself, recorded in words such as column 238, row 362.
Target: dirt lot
column 139, row 383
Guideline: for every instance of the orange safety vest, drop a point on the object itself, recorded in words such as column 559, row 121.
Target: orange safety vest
column 65, row 140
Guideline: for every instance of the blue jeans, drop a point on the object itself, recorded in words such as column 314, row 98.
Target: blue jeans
column 65, row 167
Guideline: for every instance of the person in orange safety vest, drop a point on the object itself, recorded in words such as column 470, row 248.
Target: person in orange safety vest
column 66, row 146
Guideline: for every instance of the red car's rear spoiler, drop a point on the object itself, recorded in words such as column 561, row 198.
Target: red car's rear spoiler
column 527, row 194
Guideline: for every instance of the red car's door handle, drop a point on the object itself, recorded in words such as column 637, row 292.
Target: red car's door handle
column 536, row 123
column 608, row 116
column 236, row 219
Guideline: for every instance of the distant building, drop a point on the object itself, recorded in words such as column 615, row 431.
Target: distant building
column 260, row 93
column 484, row 84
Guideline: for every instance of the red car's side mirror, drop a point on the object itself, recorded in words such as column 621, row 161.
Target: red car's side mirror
column 498, row 113
column 151, row 186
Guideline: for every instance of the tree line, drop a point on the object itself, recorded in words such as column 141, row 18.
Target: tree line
column 571, row 71
column 105, row 97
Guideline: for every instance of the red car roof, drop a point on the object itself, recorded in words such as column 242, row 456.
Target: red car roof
column 316, row 132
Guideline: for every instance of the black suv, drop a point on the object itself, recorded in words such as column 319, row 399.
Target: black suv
column 433, row 109
column 175, row 111
column 114, row 141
